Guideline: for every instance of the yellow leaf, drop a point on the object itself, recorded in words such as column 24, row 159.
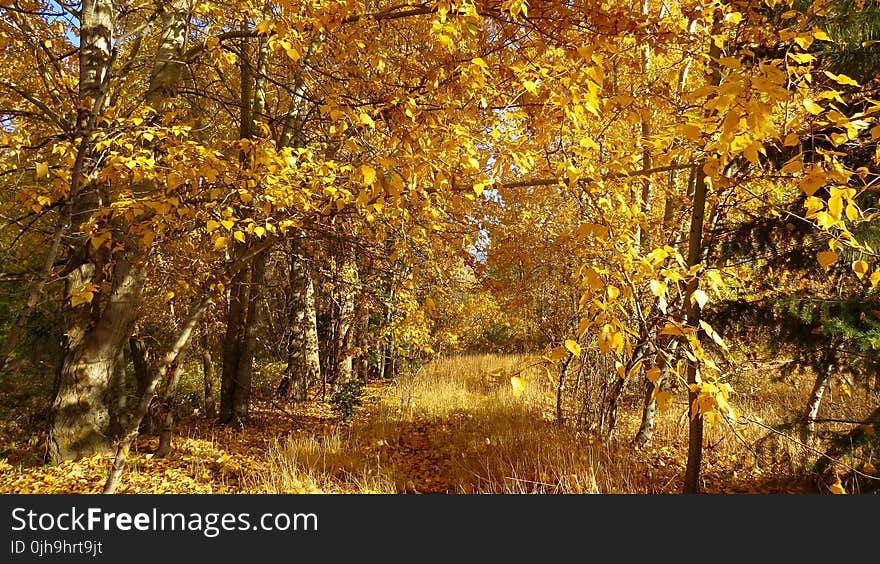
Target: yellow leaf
column 42, row 170
column 812, row 182
column 366, row 120
column 260, row 231
column 752, row 150
column 714, row 334
column 369, row 174
column 674, row 330
column 658, row 255
column 173, row 180
column 869, row 468
column 480, row 62
column 265, row 27
column 835, row 206
column 228, row 224
column 837, row 487
column 802, row 58
column 664, row 400
column 518, row 384
column 804, row 41
column 820, row 35
column 81, row 298
column 220, row 243
column 699, row 297
column 852, row 212
column 841, row 79
column 557, row 354
column 794, row 164
column 653, row 375
column 733, row 17
column 860, row 267
column 692, row 132
column 605, row 339
column 212, row 225
column 573, row 347
column 812, row 107
column 239, row 236
column 826, row 258
column 83, row 295
column 791, row 140
column 658, row 287
column 875, row 277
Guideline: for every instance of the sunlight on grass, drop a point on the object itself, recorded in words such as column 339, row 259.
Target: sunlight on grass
column 326, row 464
column 478, row 437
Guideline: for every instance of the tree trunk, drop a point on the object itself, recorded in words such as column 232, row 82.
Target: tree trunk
column 560, row 389
column 303, row 362
column 18, row 327
column 610, row 408
column 166, row 407
column 171, row 358
column 692, row 308
column 693, row 314
column 98, row 330
column 240, row 342
column 814, row 403
column 80, row 410
column 81, row 422
column 235, row 322
column 208, row 373
column 241, row 395
column 345, row 292
column 645, row 434
column 361, row 367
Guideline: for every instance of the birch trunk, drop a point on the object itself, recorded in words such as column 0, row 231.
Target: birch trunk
column 97, row 332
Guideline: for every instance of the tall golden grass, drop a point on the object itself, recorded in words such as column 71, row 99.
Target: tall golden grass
column 460, row 419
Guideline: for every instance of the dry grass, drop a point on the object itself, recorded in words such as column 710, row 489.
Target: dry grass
column 456, row 426
column 324, row 464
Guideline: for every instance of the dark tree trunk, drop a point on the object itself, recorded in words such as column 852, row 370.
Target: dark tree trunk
column 693, row 314
column 241, row 397
column 166, row 406
column 208, row 373
column 240, row 343
column 235, row 321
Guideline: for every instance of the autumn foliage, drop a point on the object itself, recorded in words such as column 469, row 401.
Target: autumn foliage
column 290, row 199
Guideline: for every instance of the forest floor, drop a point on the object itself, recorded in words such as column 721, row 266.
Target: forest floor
column 455, row 426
